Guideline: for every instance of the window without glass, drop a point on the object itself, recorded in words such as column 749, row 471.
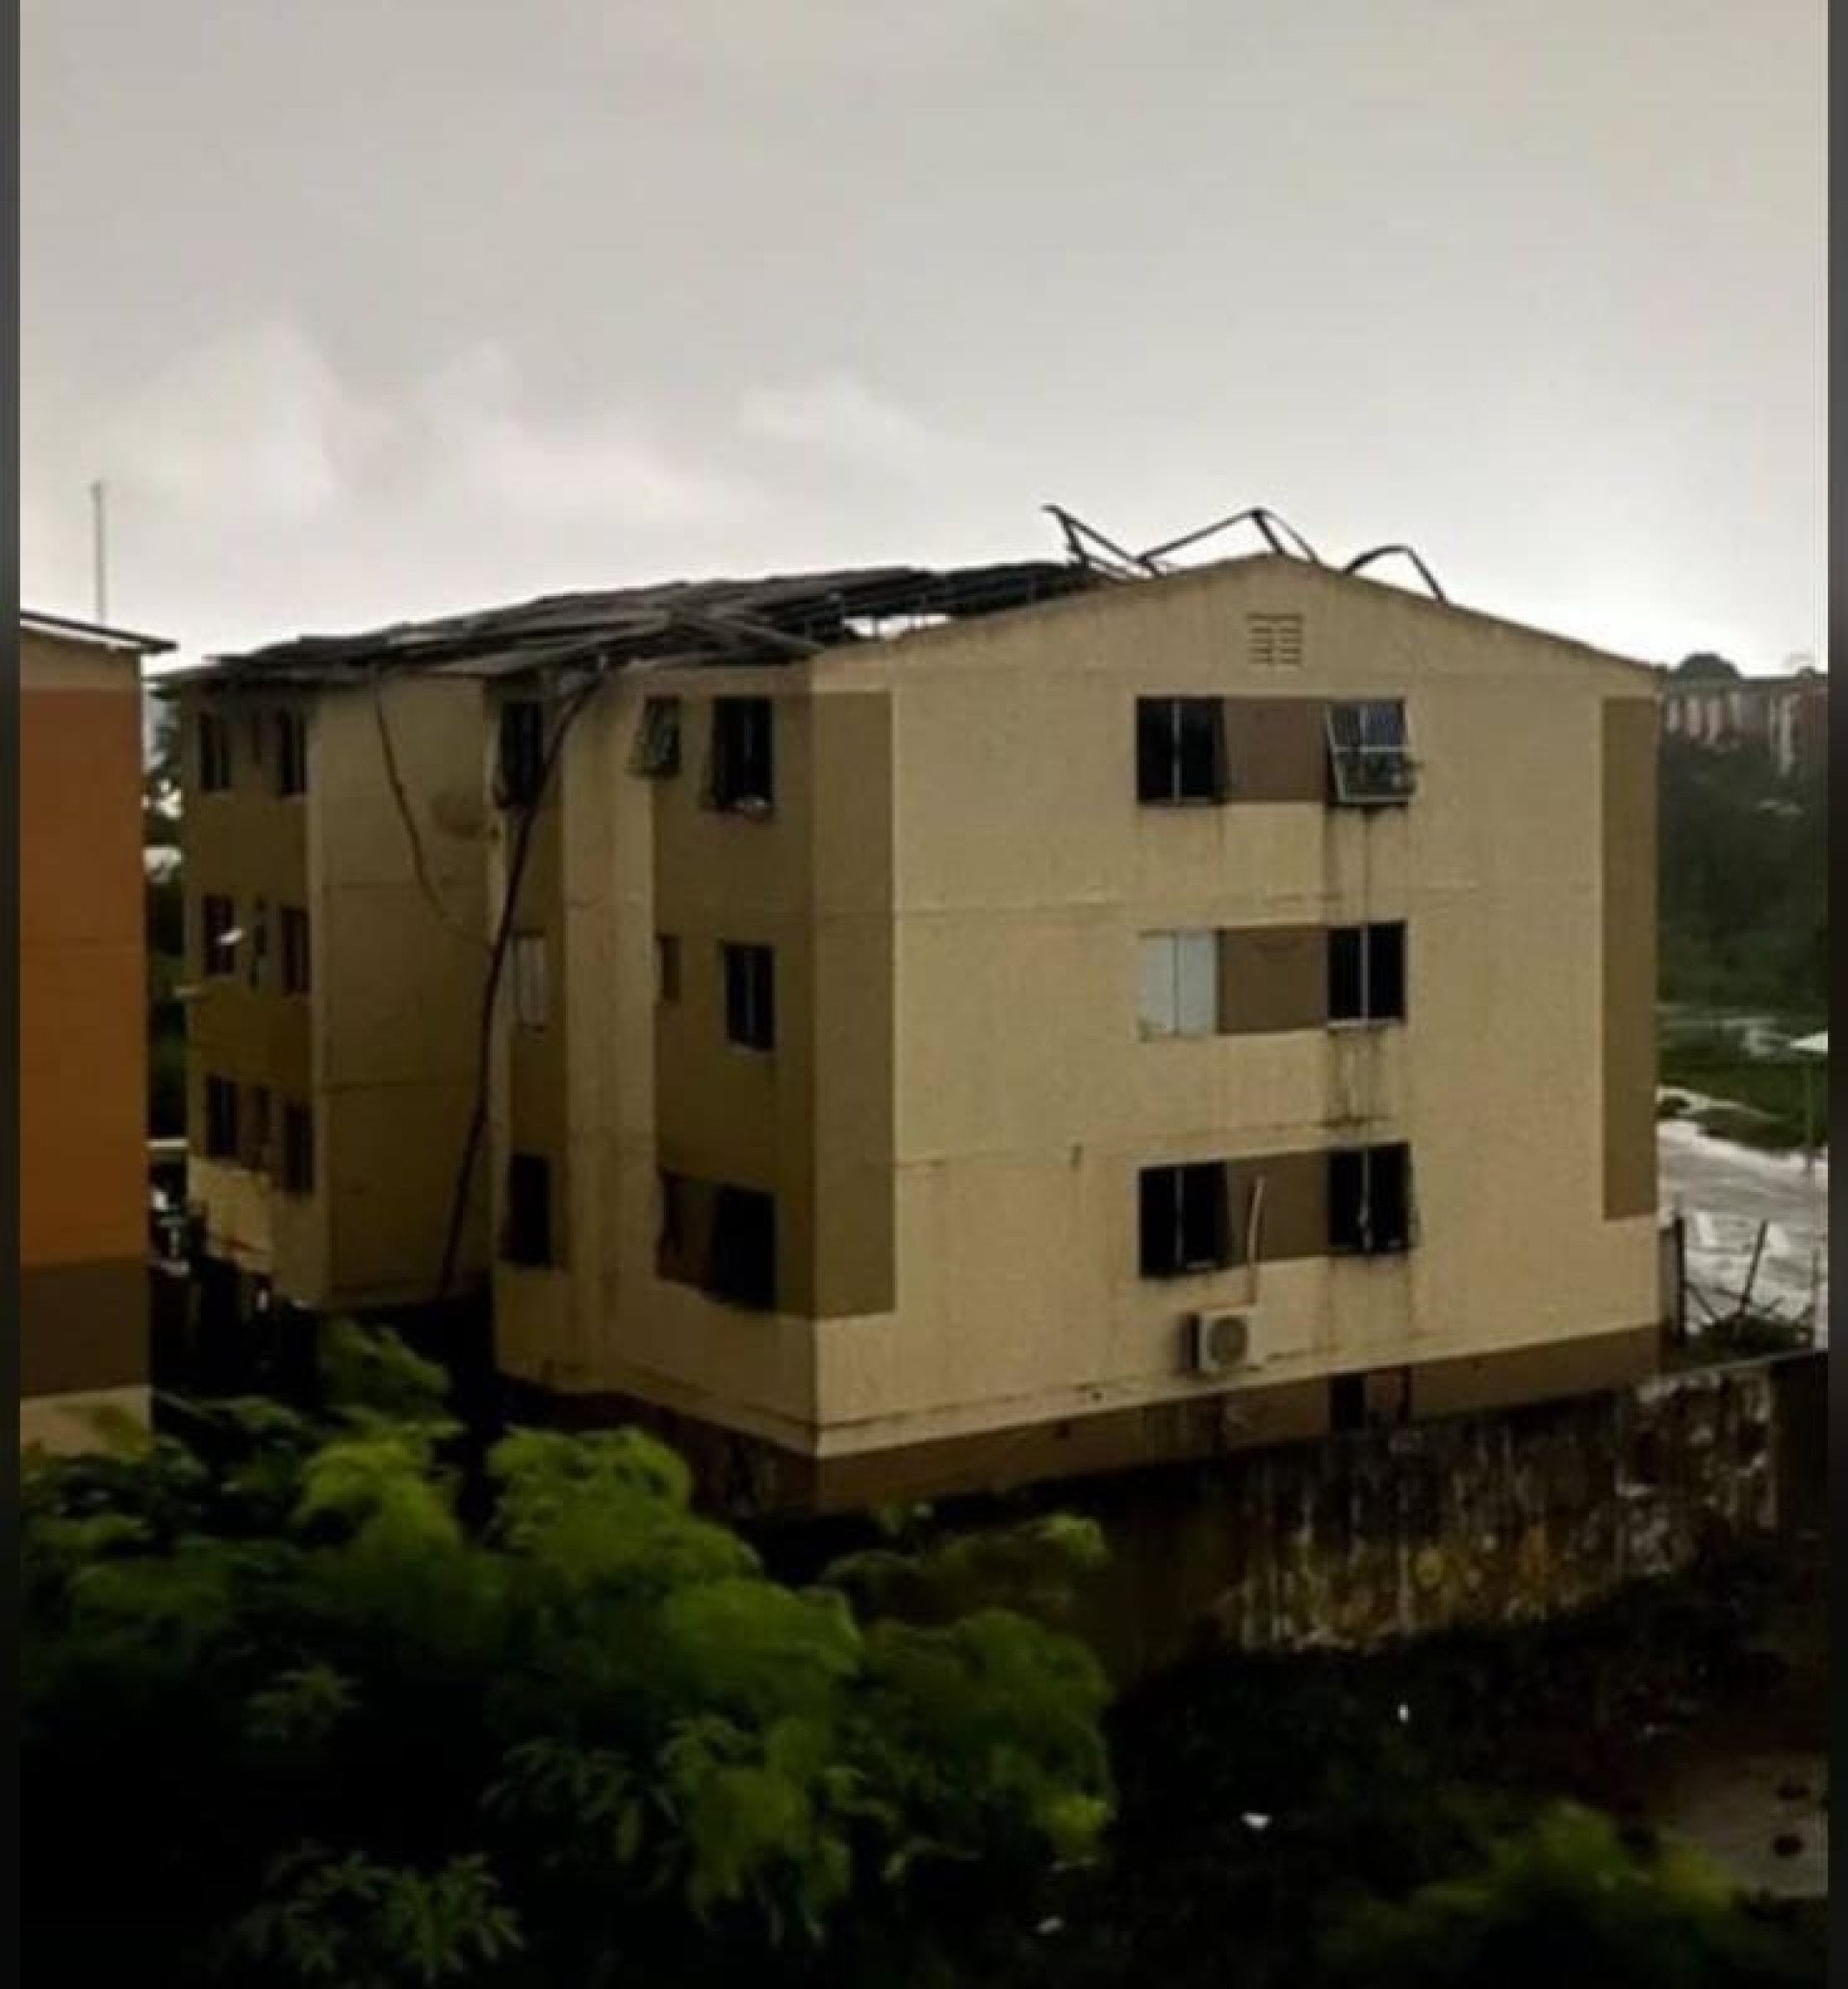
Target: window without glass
column 1180, row 749
column 218, row 931
column 657, row 740
column 1370, row 1200
column 1368, row 756
column 215, row 753
column 750, row 996
column 291, row 756
column 221, row 1119
column 522, row 752
column 1367, row 973
column 532, row 995
column 297, row 969
column 743, row 1266
column 259, row 958
column 254, row 1141
column 297, row 1150
column 529, row 1231
column 1185, row 1219
column 743, row 775
column 1179, row 983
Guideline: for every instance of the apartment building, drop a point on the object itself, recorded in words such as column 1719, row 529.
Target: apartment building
column 955, row 1028
column 1706, row 702
column 83, row 1004
column 1000, row 1025
column 334, row 845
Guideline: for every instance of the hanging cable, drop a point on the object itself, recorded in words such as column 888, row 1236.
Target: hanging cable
column 491, row 986
column 401, row 799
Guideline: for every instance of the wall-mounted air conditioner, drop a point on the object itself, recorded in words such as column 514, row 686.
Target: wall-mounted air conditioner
column 1219, row 1341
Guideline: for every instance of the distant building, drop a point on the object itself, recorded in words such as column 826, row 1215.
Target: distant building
column 83, row 1021
column 953, row 1028
column 1707, row 701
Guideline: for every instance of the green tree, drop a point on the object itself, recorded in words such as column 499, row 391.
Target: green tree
column 288, row 1719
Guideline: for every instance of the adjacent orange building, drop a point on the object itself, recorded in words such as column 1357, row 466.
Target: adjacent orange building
column 83, row 1037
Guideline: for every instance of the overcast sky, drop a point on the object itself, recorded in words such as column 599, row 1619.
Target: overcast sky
column 369, row 310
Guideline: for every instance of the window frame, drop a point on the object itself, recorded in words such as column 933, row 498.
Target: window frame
column 212, row 741
column 657, row 754
column 1364, row 1162
column 1174, row 791
column 289, row 731
column 222, row 1119
column 1368, row 971
column 748, row 976
column 520, row 753
column 750, row 1285
column 1202, row 940
column 1201, row 1191
column 1369, row 772
column 741, row 773
column 296, row 1174
column 295, row 950
column 527, row 1241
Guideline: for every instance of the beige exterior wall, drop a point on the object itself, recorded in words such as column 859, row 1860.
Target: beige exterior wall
column 383, row 1046
column 1012, row 1093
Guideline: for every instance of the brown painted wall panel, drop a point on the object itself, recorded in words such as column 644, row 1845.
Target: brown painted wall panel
column 1276, row 749
column 82, row 1047
column 1272, row 977
column 1629, row 882
column 82, row 1326
column 1294, row 1221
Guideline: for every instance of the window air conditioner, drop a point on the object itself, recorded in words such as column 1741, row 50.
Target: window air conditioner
column 1219, row 1341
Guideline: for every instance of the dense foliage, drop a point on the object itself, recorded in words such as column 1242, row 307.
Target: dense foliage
column 1744, row 880
column 289, row 1720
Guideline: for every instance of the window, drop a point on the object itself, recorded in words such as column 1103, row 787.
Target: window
column 667, row 966
column 1180, row 749
column 221, row 1119
column 1368, row 755
column 254, row 1144
column 674, row 1246
column 295, row 966
column 1370, row 1200
column 743, row 1267
column 297, row 1150
column 531, row 1006
column 1185, row 1219
column 750, row 996
column 215, row 753
column 1179, row 983
column 259, row 944
column 742, row 774
column 1367, row 973
column 523, row 753
column 657, row 740
column 219, row 929
column 529, row 1233
column 291, row 758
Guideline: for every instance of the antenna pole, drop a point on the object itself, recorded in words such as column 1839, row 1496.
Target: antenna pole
column 100, row 537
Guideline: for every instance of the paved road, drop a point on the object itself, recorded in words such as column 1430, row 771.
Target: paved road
column 1726, row 1191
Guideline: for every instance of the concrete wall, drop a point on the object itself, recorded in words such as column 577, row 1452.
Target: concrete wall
column 83, row 1008
column 1500, row 1518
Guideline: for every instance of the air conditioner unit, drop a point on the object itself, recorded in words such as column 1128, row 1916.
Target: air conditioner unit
column 1219, row 1341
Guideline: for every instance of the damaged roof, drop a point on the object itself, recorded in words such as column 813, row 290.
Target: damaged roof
column 718, row 621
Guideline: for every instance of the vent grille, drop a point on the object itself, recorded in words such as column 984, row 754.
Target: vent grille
column 1274, row 641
